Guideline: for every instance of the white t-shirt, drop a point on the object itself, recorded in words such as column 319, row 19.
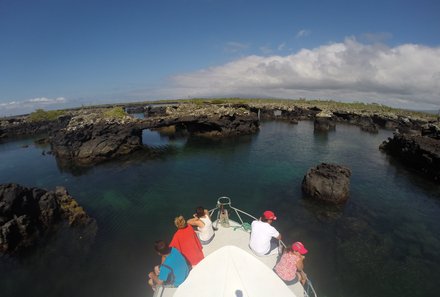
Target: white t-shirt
column 261, row 235
column 205, row 232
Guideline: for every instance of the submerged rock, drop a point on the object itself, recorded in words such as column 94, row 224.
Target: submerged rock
column 414, row 150
column 328, row 183
column 30, row 214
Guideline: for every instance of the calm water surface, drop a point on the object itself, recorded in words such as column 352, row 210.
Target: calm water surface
column 384, row 242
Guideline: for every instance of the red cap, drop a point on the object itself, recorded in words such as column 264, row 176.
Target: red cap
column 299, row 247
column 269, row 215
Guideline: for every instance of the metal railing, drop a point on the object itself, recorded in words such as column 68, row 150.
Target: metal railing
column 223, row 204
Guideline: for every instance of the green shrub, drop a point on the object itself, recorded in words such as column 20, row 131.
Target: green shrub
column 40, row 115
column 115, row 112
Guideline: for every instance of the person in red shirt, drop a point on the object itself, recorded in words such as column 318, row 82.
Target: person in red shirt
column 186, row 241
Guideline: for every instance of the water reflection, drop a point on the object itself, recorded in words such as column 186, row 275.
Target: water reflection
column 163, row 136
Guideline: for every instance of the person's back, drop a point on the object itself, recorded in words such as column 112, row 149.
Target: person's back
column 174, row 268
column 286, row 267
column 203, row 222
column 290, row 268
column 206, row 232
column 187, row 242
column 263, row 235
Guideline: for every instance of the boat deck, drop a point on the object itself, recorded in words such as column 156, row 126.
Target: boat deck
column 233, row 235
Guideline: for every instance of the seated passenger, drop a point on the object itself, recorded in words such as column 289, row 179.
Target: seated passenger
column 264, row 238
column 203, row 222
column 290, row 268
column 173, row 270
column 186, row 241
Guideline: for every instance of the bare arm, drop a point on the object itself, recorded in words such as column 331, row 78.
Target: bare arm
column 195, row 222
column 300, row 263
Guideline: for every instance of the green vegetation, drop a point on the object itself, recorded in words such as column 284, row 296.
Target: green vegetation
column 112, row 111
column 328, row 105
column 115, row 112
column 41, row 115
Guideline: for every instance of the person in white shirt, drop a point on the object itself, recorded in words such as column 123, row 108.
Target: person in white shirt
column 202, row 221
column 264, row 238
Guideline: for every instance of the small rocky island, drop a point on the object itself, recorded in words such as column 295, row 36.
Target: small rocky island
column 327, row 183
column 30, row 215
column 94, row 137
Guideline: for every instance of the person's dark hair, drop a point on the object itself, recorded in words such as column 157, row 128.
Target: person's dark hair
column 162, row 247
column 288, row 249
column 263, row 219
column 200, row 212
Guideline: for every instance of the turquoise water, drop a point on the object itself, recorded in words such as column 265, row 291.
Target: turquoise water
column 384, row 242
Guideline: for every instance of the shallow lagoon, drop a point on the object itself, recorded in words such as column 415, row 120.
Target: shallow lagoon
column 384, row 242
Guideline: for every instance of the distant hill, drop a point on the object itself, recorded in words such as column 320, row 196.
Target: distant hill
column 436, row 111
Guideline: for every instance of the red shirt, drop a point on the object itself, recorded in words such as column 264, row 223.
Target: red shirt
column 187, row 242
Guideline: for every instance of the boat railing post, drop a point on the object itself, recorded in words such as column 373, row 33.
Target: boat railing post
column 238, row 215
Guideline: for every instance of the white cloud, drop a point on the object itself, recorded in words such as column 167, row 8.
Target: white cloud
column 281, row 46
column 342, row 71
column 26, row 106
column 45, row 100
column 303, row 33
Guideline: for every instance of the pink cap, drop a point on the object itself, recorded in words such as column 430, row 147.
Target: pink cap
column 299, row 247
column 269, row 215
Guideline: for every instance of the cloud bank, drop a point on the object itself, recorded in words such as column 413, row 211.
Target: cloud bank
column 29, row 105
column 404, row 76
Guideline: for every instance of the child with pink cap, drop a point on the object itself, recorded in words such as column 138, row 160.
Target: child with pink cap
column 290, row 268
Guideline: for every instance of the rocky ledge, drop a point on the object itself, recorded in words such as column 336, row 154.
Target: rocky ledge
column 18, row 126
column 28, row 215
column 208, row 120
column 88, row 136
column 91, row 138
column 417, row 149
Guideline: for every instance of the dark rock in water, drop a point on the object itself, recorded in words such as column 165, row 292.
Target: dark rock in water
column 293, row 121
column 91, row 138
column 371, row 128
column 367, row 124
column 416, row 151
column 30, row 214
column 209, row 121
column 360, row 248
column 328, row 183
column 431, row 130
column 92, row 143
column 135, row 109
column 23, row 126
column 323, row 122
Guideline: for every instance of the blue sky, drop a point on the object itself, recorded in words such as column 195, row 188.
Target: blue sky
column 64, row 53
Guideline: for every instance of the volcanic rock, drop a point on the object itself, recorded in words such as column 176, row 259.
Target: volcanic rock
column 323, row 122
column 328, row 183
column 30, row 214
column 416, row 151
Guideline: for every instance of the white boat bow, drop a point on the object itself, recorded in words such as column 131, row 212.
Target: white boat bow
column 230, row 268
